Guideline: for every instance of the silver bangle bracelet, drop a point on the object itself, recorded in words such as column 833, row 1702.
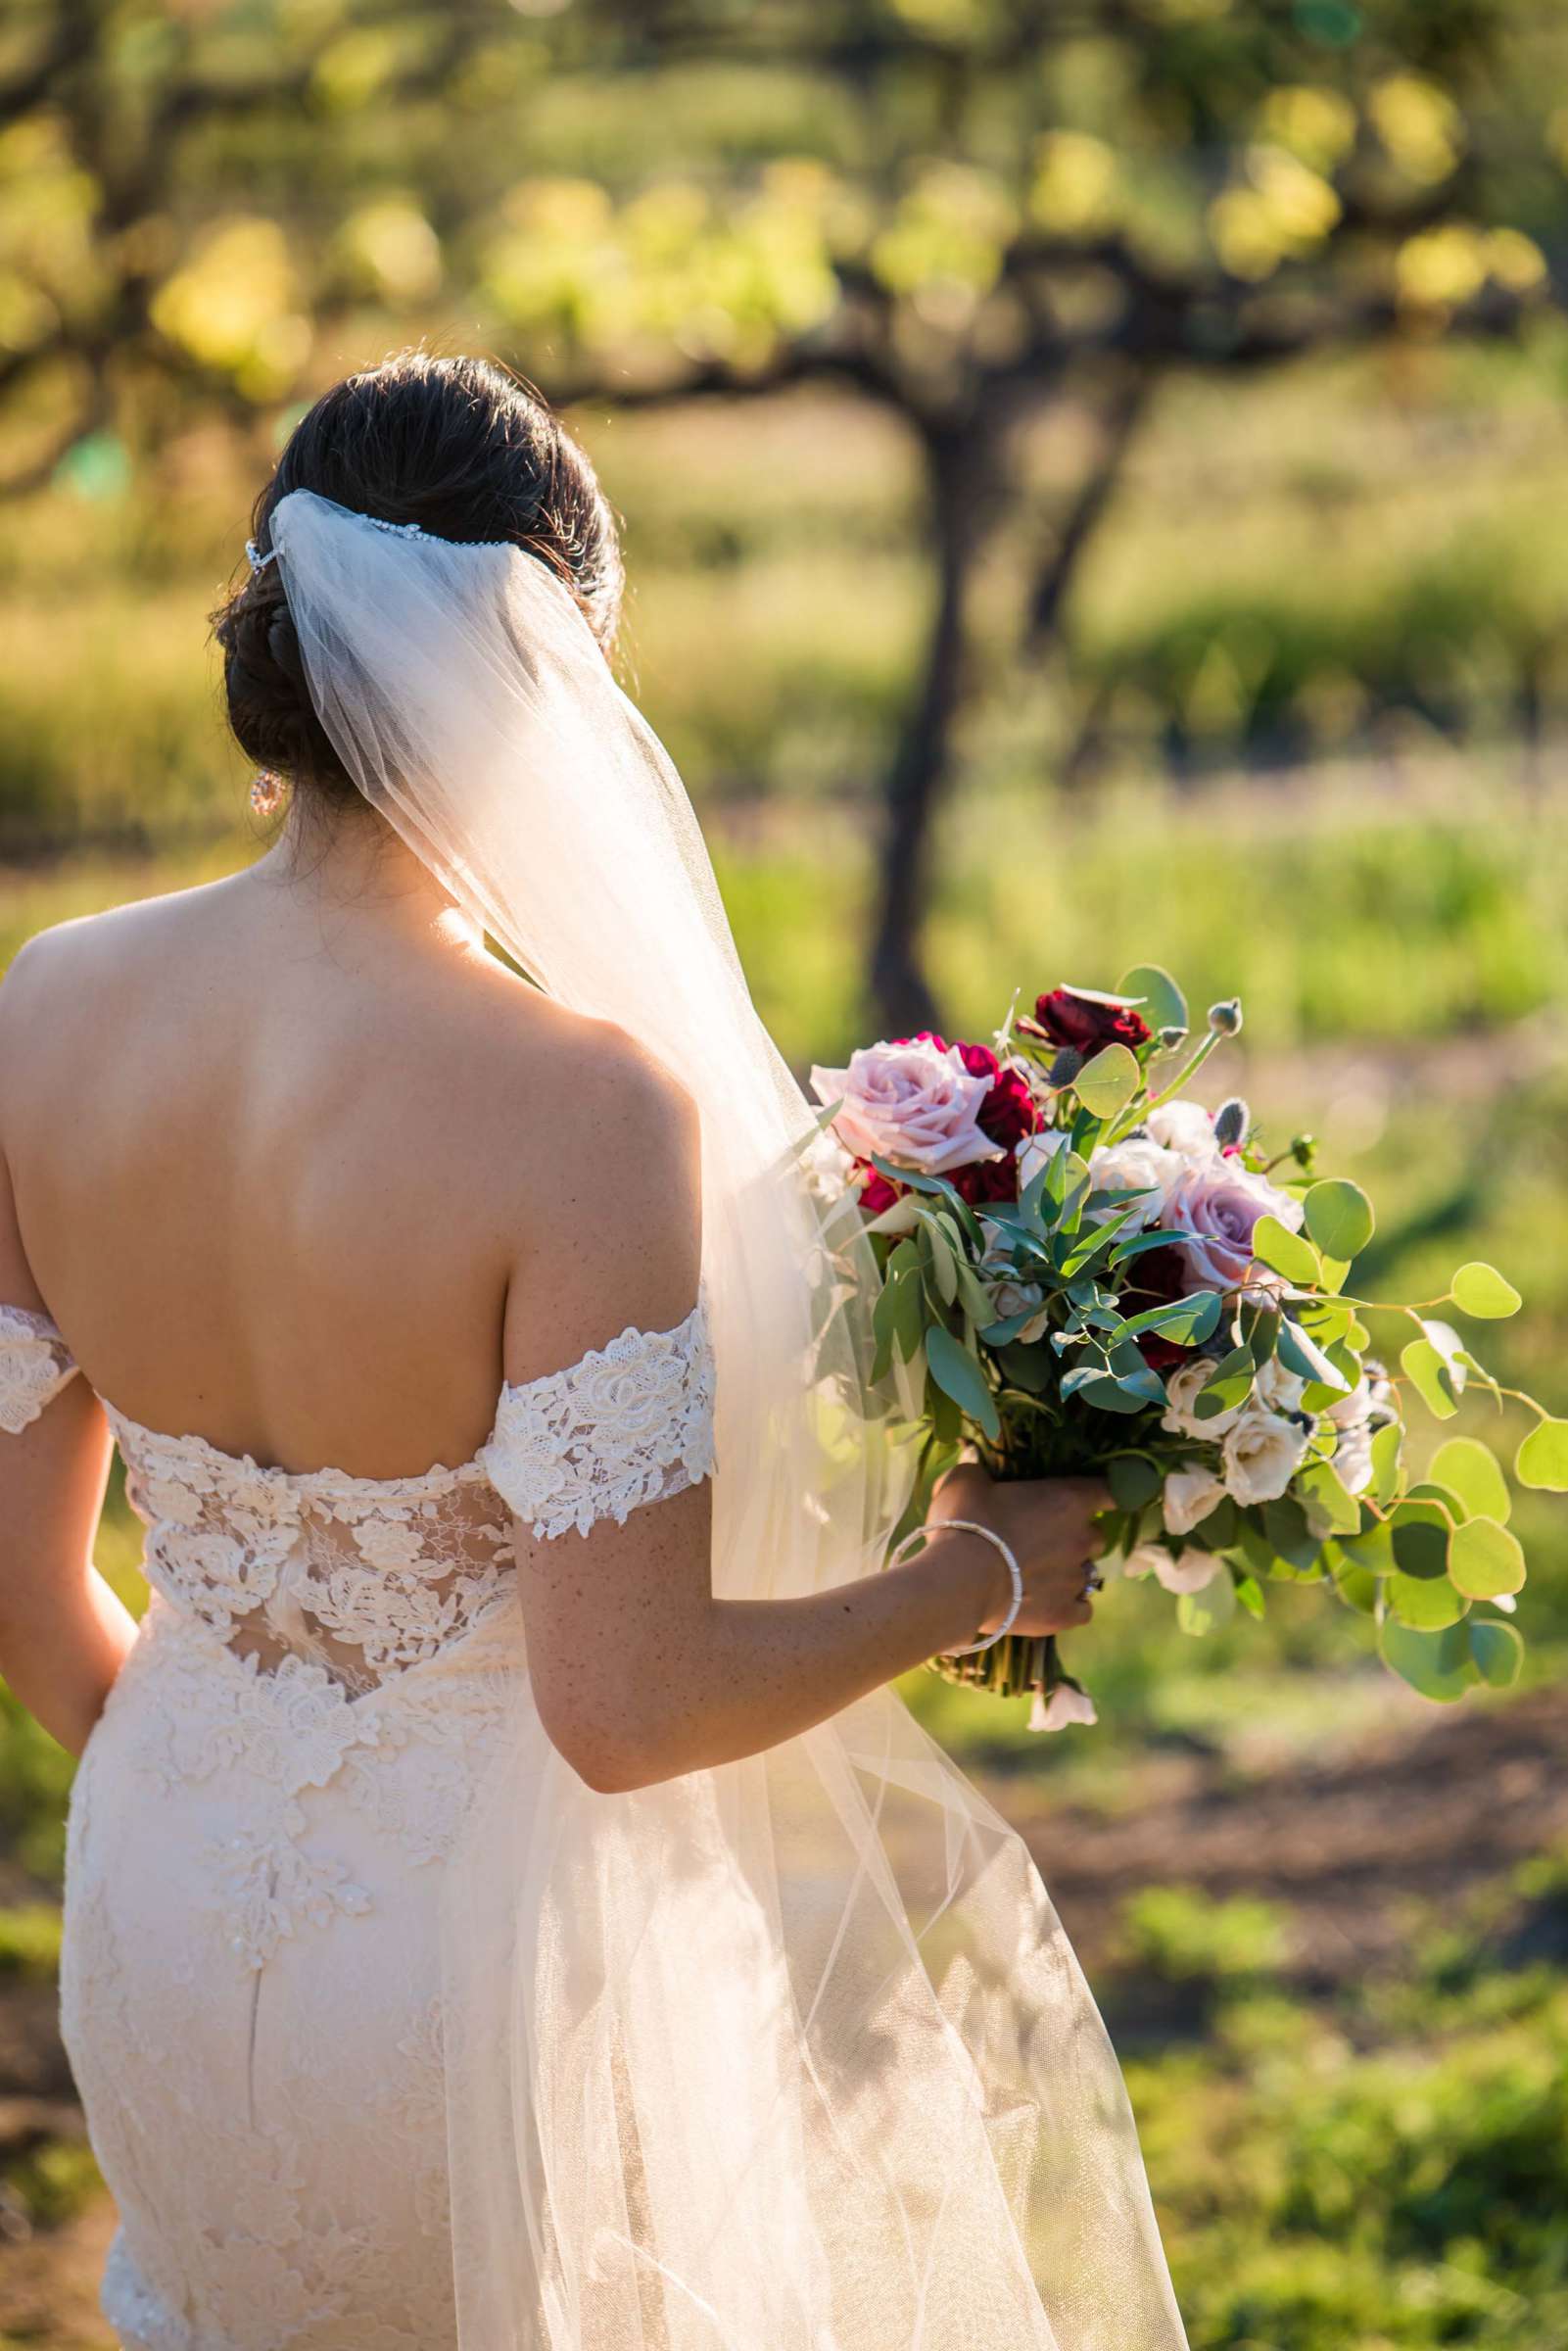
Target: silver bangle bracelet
column 970, row 1527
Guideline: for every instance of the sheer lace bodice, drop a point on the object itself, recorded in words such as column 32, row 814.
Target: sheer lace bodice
column 250, row 1986
column 370, row 1576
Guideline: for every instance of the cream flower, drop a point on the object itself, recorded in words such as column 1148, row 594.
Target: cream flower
column 1279, row 1389
column 1136, row 1165
column 1189, row 1573
column 1015, row 1298
column 1261, row 1454
column 1190, row 1495
column 1065, row 1704
column 1182, row 1390
column 1033, row 1152
column 1185, row 1128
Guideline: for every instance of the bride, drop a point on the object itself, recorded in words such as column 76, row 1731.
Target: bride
column 505, row 1906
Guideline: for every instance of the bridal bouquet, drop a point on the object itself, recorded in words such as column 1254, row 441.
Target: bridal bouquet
column 1085, row 1269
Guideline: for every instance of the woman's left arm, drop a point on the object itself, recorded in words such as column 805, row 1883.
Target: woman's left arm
column 64, row 1635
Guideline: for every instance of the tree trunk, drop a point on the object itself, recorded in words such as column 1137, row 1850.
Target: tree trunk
column 901, row 996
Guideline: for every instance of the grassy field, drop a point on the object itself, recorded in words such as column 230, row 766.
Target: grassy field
column 1329, row 1924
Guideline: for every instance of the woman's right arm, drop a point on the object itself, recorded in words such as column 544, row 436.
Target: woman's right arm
column 639, row 1669
column 640, row 1672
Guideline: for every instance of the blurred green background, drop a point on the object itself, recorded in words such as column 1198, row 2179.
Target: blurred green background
column 1092, row 476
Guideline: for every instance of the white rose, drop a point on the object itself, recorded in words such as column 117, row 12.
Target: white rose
column 1140, row 1166
column 1036, row 1150
column 1189, row 1573
column 1281, row 1390
column 1189, row 1497
column 1015, row 1298
column 1065, row 1704
column 1182, row 1390
column 1185, row 1128
column 1261, row 1454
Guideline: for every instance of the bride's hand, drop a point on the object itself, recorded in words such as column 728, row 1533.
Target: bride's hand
column 1047, row 1525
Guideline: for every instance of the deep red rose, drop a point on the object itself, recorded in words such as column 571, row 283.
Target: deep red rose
column 1009, row 1111
column 1085, row 1025
column 1158, row 1352
column 978, row 1060
column 875, row 1192
column 1157, row 1278
column 986, row 1180
column 922, row 1036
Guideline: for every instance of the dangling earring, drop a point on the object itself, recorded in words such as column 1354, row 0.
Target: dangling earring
column 268, row 791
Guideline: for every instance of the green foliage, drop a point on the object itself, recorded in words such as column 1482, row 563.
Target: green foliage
column 1184, row 1936
column 29, row 1939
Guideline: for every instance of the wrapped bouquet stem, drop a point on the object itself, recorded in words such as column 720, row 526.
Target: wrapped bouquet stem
column 1083, row 1269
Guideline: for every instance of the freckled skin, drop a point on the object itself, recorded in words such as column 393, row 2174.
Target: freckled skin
column 297, row 1167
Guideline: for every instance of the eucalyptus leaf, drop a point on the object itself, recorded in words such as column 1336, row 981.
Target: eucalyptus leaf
column 1108, row 1083
column 1430, row 1377
column 936, row 1262
column 1133, row 1374
column 1356, row 1586
column 1112, row 1396
column 1339, row 1217
column 1156, row 996
column 1286, row 1251
column 1485, row 1560
column 1472, row 1471
column 1439, row 1664
column 1388, row 1466
column 1302, row 1356
column 1133, row 1479
column 1331, row 1507
column 1430, row 1601
column 1186, row 1322
column 1220, row 1530
column 1419, row 1532
column 1497, row 1650
column 1286, row 1525
column 959, row 1376
column 1204, row 1611
column 1228, row 1384
column 1480, row 1290
column 1260, row 1331
column 1543, row 1459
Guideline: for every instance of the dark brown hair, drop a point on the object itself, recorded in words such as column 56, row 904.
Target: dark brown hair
column 457, row 445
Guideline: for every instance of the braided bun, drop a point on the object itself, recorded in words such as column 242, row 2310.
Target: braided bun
column 460, row 448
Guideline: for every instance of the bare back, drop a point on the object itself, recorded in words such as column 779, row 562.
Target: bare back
column 296, row 1165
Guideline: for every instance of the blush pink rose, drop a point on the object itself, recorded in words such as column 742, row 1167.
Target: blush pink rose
column 1212, row 1212
column 913, row 1102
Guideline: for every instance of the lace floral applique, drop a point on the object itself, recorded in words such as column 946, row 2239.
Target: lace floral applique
column 270, row 1886
column 35, row 1364
column 366, row 1577
column 630, row 1423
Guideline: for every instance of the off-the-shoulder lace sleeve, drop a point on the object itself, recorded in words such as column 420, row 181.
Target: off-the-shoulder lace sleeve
column 35, row 1364
column 631, row 1423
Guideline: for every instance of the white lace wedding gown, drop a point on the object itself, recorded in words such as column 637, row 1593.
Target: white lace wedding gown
column 249, row 1984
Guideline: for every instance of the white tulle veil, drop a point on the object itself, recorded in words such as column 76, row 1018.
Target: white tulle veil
column 792, row 2054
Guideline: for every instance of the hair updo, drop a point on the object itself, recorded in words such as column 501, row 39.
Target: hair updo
column 460, row 448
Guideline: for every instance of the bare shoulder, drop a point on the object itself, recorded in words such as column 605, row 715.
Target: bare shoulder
column 610, row 1220
column 68, row 956
column 593, row 1076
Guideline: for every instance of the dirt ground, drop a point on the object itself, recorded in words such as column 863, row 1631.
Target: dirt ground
column 1397, row 1818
